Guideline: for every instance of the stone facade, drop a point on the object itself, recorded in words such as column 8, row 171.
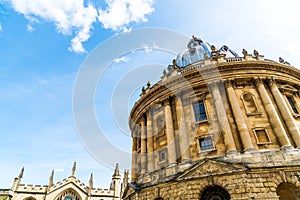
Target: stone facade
column 218, row 128
column 68, row 189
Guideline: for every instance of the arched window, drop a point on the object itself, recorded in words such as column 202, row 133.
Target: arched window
column 250, row 104
column 288, row 191
column 68, row 195
column 215, row 193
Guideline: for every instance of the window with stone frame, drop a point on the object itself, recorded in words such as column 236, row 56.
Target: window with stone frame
column 160, row 124
column 262, row 136
column 292, row 104
column 249, row 102
column 206, row 143
column 199, row 111
column 162, row 155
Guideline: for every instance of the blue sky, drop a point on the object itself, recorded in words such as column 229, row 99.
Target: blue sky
column 43, row 44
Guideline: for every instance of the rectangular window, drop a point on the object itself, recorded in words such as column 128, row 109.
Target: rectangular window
column 292, row 104
column 206, row 143
column 199, row 111
column 262, row 136
column 162, row 155
column 159, row 123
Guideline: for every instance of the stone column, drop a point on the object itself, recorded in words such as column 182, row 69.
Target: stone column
column 183, row 137
column 170, row 133
column 239, row 118
column 272, row 114
column 285, row 112
column 143, row 147
column 150, row 144
column 134, row 157
column 222, row 118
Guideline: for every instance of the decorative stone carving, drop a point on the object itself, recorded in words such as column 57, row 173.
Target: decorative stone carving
column 245, row 52
column 281, row 60
column 209, row 167
column 255, row 53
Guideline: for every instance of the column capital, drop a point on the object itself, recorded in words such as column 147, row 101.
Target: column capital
column 149, row 113
column 212, row 85
column 229, row 83
column 271, row 81
column 142, row 119
column 258, row 81
column 166, row 102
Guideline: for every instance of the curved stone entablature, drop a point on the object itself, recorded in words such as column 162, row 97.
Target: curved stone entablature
column 237, row 68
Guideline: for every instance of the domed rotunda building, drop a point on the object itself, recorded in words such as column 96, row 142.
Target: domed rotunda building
column 217, row 126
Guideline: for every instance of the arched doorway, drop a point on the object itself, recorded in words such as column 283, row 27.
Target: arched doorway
column 215, row 193
column 30, row 198
column 288, row 191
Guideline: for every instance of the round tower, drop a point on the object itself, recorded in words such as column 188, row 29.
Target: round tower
column 218, row 125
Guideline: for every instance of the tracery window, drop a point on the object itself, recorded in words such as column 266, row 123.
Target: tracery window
column 68, row 195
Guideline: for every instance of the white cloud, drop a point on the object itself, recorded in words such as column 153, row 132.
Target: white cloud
column 68, row 16
column 1, row 29
column 30, row 28
column 59, row 170
column 120, row 13
column 73, row 17
column 121, row 59
column 149, row 49
column 127, row 30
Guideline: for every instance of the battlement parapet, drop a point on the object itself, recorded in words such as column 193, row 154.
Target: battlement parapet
column 32, row 188
column 102, row 191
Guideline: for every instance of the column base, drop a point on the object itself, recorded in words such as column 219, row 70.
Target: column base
column 172, row 164
column 186, row 160
column 286, row 148
column 250, row 150
column 231, row 152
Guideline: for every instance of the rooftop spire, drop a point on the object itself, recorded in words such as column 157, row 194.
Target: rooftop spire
column 74, row 169
column 117, row 171
column 51, row 178
column 21, row 173
column 91, row 181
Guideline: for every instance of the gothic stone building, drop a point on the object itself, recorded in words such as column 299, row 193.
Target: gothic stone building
column 70, row 188
column 216, row 127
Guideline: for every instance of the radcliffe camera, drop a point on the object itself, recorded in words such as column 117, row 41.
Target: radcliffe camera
column 149, row 100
